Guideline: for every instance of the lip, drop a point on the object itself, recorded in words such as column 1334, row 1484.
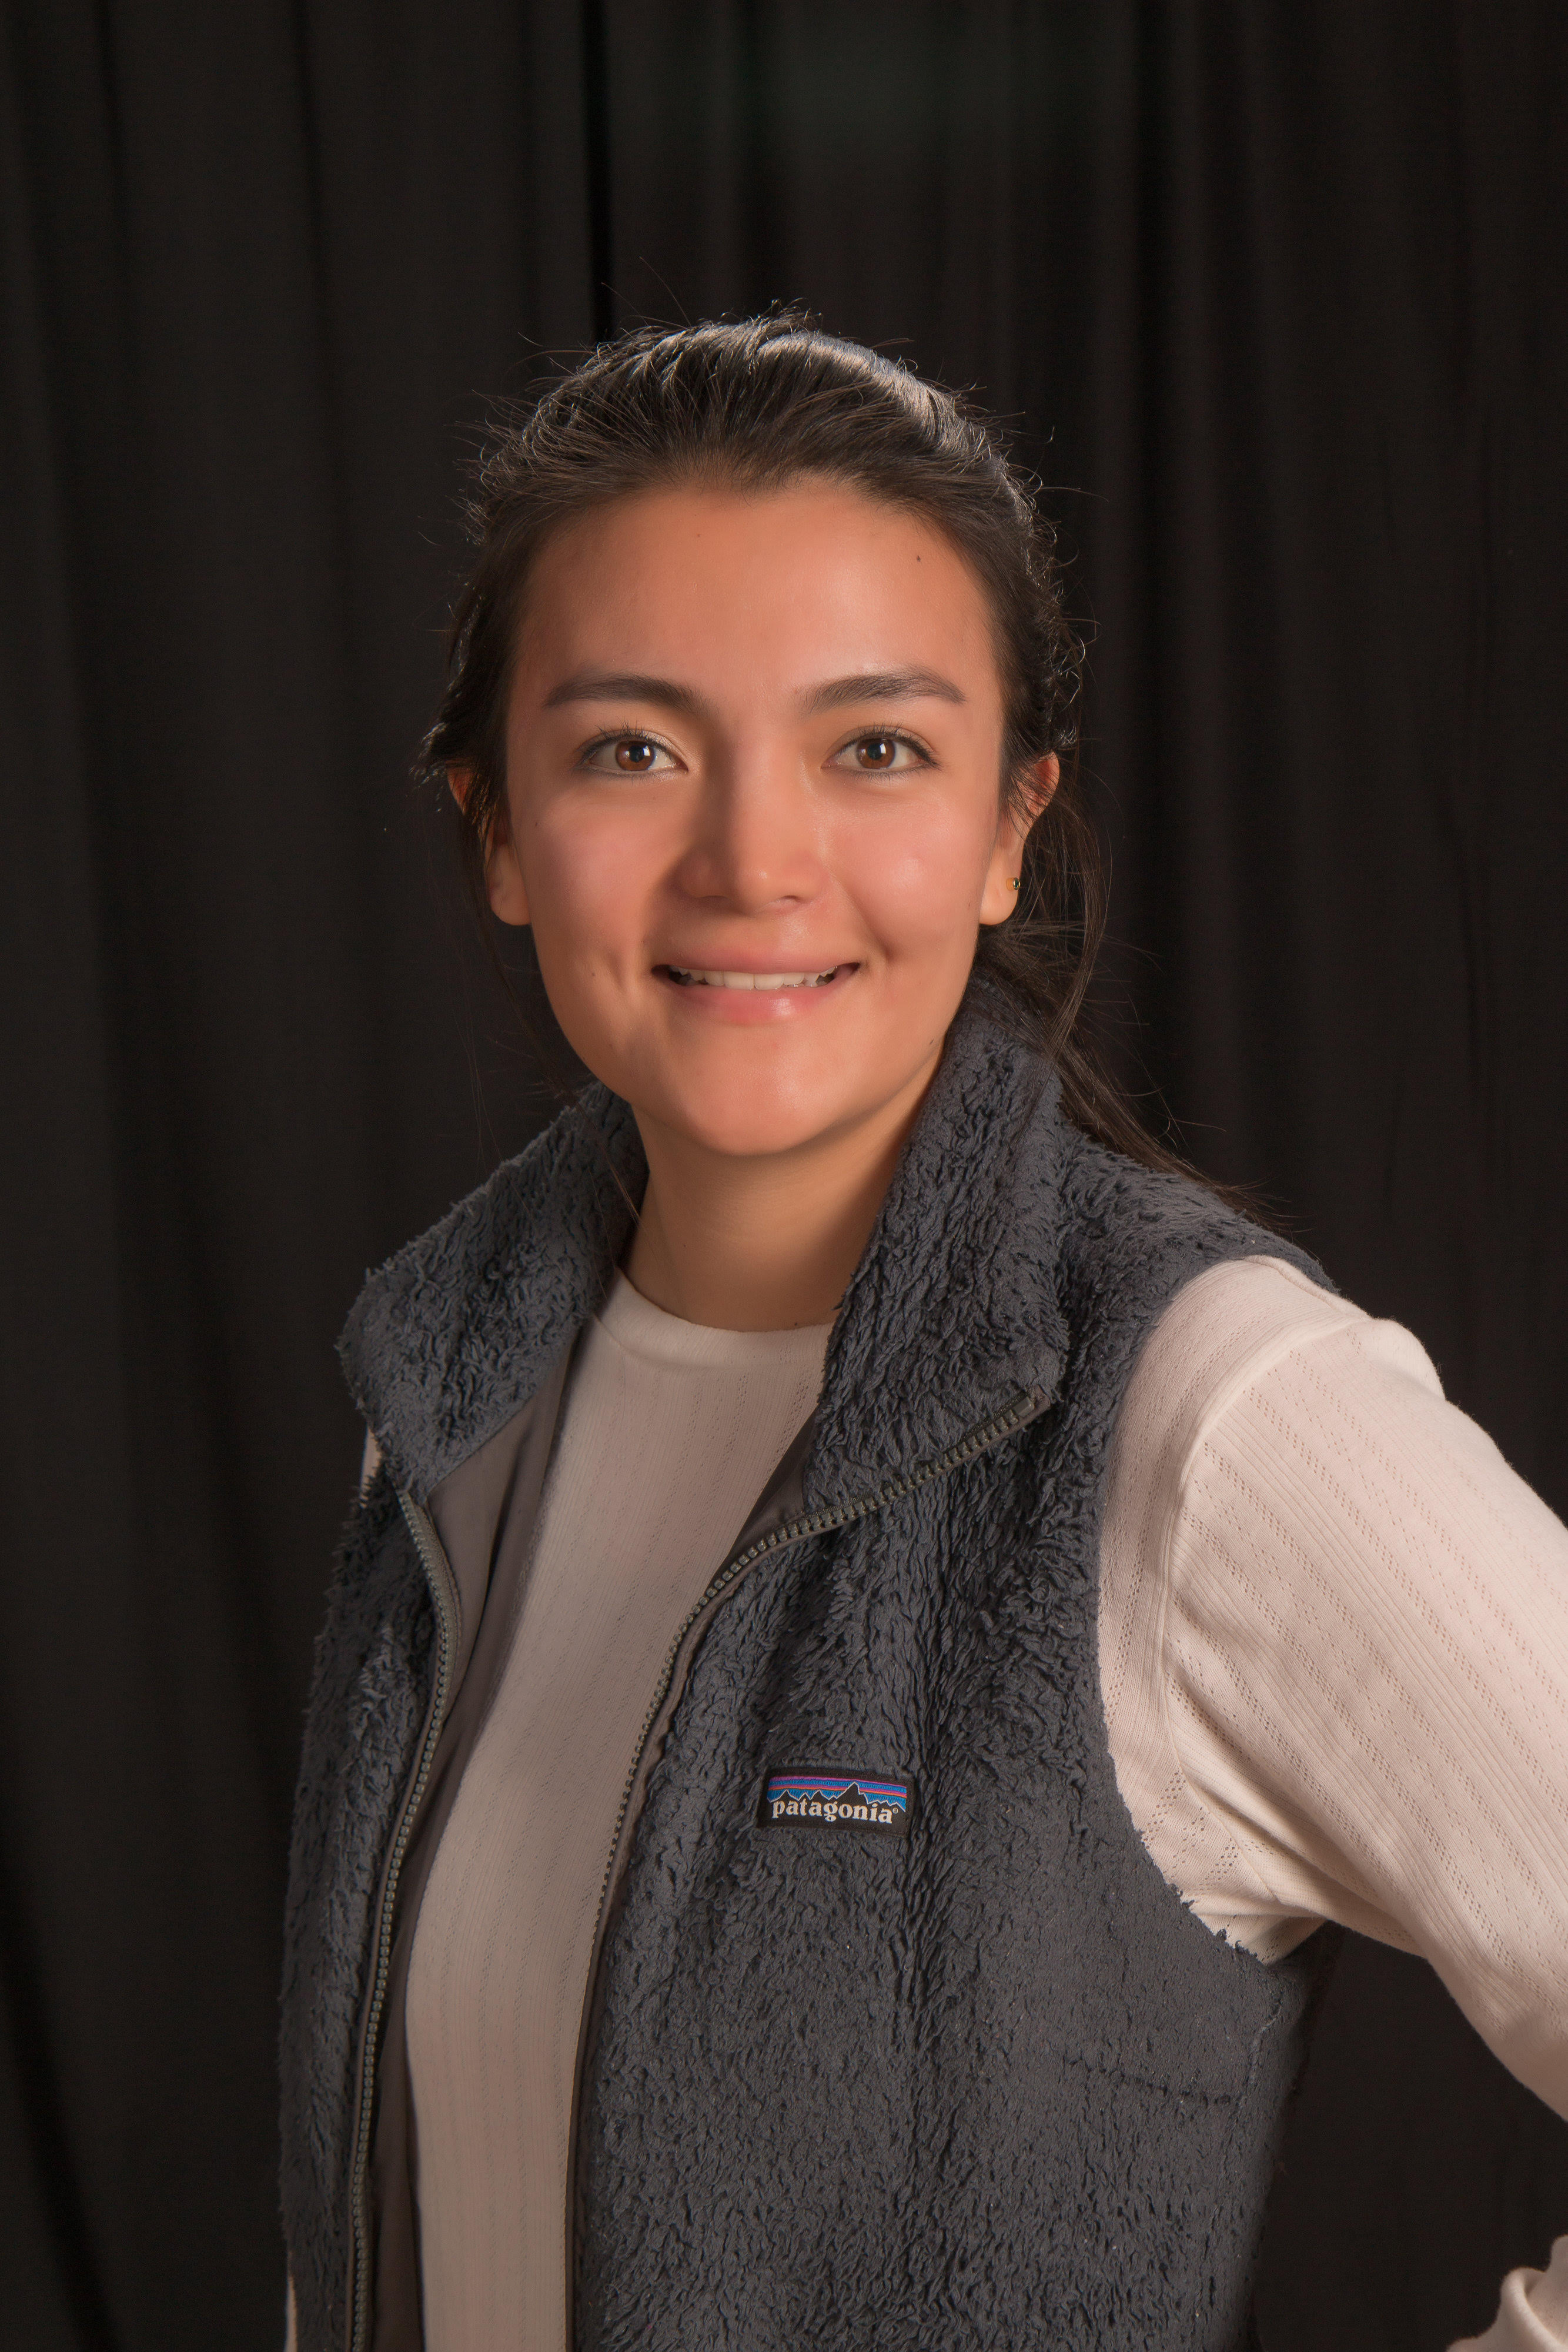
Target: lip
column 753, row 1007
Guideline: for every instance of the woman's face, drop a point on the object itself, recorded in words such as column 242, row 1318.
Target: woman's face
column 753, row 817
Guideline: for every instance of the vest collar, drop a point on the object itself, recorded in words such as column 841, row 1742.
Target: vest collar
column 951, row 1312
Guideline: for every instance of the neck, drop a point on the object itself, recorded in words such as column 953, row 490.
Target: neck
column 766, row 1244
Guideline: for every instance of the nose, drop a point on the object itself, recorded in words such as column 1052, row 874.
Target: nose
column 756, row 836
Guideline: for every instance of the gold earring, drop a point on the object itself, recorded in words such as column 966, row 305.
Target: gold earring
column 1018, row 881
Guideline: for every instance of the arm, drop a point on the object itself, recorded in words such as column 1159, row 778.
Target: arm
column 1334, row 1651
column 1533, row 2313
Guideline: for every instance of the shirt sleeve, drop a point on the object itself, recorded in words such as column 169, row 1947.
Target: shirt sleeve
column 1533, row 2312
column 1333, row 1644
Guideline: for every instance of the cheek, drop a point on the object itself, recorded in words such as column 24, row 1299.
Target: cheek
column 919, row 884
column 587, row 876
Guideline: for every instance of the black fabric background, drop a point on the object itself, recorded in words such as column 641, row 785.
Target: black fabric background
column 1274, row 294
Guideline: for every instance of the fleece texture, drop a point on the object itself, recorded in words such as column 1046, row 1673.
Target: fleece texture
column 368, row 1708
column 988, row 2083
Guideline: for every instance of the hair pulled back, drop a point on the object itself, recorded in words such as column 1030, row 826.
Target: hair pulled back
column 757, row 405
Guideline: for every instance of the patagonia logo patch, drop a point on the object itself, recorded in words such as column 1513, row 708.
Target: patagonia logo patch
column 839, row 1800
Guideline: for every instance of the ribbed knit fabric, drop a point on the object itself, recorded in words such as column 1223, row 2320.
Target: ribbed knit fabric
column 1333, row 1644
column 1532, row 2310
column 1334, row 1652
column 671, row 1432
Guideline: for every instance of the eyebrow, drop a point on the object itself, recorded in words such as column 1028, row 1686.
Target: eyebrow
column 623, row 686
column 884, row 686
column 870, row 685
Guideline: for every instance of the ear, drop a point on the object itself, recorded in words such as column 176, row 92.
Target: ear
column 503, row 874
column 1039, row 789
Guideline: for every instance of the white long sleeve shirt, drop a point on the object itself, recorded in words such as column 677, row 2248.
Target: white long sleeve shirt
column 1334, row 1648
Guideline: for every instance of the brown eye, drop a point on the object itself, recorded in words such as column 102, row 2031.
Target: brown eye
column 876, row 754
column 629, row 755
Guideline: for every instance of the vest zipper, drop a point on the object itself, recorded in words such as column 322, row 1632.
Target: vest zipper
column 443, row 1596
column 1026, row 1406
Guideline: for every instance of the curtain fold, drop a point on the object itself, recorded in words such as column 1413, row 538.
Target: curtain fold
column 1273, row 300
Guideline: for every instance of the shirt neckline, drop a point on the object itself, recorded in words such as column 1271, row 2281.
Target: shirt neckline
column 646, row 1331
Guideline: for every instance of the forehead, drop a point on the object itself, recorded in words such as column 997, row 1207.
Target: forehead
column 726, row 589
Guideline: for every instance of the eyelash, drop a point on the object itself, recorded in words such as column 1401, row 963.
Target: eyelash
column 867, row 735
column 887, row 735
column 625, row 735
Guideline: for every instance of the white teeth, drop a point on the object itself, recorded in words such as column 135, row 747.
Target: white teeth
column 753, row 979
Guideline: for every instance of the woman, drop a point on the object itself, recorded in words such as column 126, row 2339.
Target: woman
column 882, row 1617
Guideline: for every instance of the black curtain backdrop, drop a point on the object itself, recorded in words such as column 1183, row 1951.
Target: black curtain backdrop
column 1275, row 295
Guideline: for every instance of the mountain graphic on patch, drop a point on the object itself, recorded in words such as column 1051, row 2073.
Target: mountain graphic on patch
column 837, row 1802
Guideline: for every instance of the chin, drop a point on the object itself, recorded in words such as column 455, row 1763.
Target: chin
column 763, row 1137
column 753, row 1123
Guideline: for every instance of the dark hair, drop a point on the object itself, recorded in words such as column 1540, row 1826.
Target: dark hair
column 757, row 404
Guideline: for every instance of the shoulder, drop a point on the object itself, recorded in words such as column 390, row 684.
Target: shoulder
column 1135, row 1242
column 1226, row 1329
column 1196, row 1389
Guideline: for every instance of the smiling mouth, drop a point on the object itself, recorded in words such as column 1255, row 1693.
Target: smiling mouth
column 767, row 980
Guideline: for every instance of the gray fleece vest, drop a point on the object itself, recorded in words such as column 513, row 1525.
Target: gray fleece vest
column 973, row 2076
